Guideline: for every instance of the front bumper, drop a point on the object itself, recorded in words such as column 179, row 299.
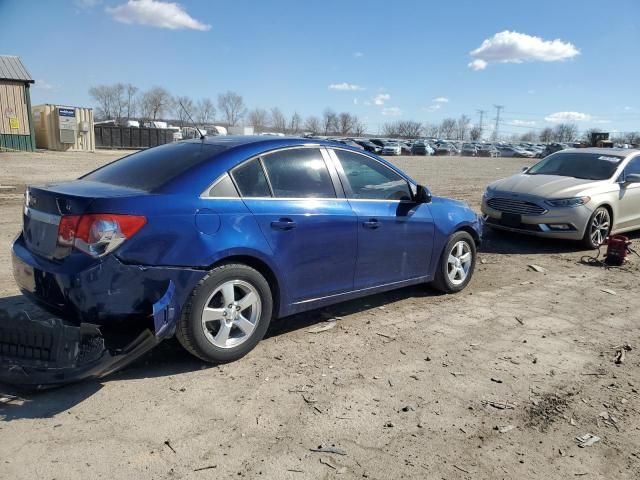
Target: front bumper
column 42, row 354
column 545, row 225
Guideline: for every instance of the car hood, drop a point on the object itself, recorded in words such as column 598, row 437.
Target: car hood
column 546, row 186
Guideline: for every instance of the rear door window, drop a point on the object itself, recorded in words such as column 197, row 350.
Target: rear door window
column 251, row 180
column 298, row 173
column 371, row 180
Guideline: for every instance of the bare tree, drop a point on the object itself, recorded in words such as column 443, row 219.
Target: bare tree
column 258, row 118
column 565, row 132
column 463, row 127
column 329, row 121
column 409, row 129
column 359, row 128
column 130, row 94
column 205, row 111
column 278, row 120
column 448, row 128
column 345, row 123
column 391, row 129
column 295, row 123
column 155, row 103
column 528, row 137
column 183, row 107
column 232, row 107
column 475, row 133
column 312, row 124
column 109, row 100
column 546, row 135
column 431, row 130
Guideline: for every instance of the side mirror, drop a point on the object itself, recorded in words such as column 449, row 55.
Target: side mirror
column 632, row 178
column 423, row 195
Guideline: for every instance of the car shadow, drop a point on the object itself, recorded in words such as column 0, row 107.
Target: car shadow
column 513, row 243
column 167, row 359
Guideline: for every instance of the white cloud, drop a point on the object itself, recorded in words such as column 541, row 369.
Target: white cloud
column 391, row 111
column 628, row 108
column 42, row 85
column 514, row 47
column 381, row 98
column 523, row 123
column 441, row 100
column 156, row 13
column 568, row 117
column 355, row 101
column 602, row 120
column 344, row 86
column 477, row 64
column 358, row 54
column 434, row 107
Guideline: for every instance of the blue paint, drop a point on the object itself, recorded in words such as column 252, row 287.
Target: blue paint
column 331, row 252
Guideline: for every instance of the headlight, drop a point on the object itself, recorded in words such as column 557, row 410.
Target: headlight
column 488, row 191
column 568, row 202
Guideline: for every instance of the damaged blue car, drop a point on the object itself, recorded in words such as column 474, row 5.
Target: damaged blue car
column 209, row 240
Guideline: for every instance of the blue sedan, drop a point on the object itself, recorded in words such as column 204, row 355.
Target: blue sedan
column 211, row 239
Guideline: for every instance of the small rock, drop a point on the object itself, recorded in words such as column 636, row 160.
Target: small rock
column 536, row 268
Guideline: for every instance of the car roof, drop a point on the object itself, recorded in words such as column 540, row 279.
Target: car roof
column 621, row 152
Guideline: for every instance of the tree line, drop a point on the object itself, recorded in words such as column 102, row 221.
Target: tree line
column 124, row 101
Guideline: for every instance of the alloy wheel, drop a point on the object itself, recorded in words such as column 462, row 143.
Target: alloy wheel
column 459, row 262
column 599, row 228
column 231, row 313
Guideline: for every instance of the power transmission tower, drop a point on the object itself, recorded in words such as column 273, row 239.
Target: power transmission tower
column 481, row 112
column 496, row 130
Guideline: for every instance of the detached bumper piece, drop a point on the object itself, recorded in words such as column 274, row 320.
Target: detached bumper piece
column 40, row 354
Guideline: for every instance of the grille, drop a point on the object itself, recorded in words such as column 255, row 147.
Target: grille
column 511, row 205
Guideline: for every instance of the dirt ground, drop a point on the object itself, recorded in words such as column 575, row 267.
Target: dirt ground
column 495, row 382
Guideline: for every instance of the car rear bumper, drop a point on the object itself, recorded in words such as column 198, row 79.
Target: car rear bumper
column 101, row 293
column 561, row 223
column 40, row 354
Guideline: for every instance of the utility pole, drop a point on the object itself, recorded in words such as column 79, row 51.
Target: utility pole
column 496, row 130
column 481, row 112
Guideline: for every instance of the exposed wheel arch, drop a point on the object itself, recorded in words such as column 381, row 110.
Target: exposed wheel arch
column 261, row 267
column 474, row 234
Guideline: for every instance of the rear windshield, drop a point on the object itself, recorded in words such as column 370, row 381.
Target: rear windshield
column 589, row 166
column 149, row 170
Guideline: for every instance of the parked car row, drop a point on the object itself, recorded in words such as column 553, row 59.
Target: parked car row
column 394, row 147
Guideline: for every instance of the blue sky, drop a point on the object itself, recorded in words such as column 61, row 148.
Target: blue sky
column 413, row 57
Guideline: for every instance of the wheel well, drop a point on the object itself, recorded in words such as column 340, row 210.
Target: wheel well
column 472, row 232
column 264, row 270
column 608, row 207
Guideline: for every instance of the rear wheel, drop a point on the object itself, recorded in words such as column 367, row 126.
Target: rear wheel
column 227, row 315
column 456, row 264
column 598, row 228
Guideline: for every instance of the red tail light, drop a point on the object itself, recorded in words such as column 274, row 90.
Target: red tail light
column 98, row 234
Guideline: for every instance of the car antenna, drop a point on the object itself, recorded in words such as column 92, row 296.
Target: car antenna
column 191, row 120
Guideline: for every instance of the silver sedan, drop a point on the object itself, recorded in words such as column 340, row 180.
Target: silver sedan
column 579, row 194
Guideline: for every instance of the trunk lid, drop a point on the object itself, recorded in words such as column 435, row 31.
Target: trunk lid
column 45, row 206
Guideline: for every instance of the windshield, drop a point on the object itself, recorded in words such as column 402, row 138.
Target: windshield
column 589, row 166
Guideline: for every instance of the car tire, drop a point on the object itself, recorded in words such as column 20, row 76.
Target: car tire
column 598, row 228
column 445, row 279
column 227, row 314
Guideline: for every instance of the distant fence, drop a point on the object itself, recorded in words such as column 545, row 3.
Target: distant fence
column 131, row 137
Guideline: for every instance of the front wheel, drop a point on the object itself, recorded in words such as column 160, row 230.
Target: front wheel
column 227, row 314
column 598, row 228
column 456, row 264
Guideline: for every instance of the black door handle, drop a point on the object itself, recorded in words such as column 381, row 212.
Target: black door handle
column 371, row 223
column 283, row 224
